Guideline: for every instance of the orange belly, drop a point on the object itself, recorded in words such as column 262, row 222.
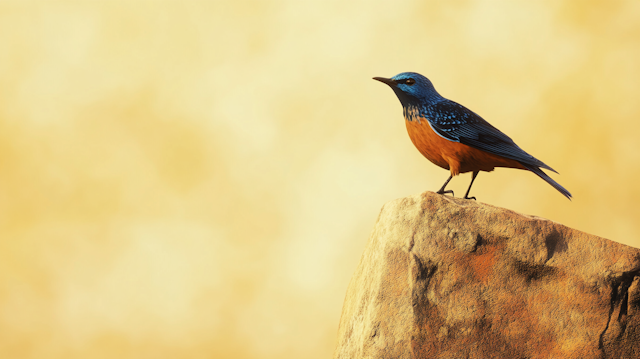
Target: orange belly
column 454, row 156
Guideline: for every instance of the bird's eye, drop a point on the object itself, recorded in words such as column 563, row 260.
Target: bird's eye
column 410, row 82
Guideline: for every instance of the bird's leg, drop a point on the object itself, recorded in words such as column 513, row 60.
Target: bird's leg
column 442, row 191
column 473, row 178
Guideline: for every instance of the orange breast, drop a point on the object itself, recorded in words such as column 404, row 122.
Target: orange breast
column 454, row 156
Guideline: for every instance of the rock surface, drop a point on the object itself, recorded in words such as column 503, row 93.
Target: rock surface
column 445, row 277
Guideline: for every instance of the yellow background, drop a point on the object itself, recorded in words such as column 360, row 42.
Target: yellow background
column 199, row 179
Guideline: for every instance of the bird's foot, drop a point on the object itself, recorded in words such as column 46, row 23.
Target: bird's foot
column 444, row 192
column 473, row 198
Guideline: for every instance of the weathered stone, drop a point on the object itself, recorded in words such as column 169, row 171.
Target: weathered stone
column 444, row 277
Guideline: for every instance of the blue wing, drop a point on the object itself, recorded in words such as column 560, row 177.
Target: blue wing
column 457, row 123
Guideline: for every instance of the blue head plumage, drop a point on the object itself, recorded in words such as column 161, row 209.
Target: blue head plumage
column 412, row 89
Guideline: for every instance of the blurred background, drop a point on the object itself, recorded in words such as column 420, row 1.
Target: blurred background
column 198, row 179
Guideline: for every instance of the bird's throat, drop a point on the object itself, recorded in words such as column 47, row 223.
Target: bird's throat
column 411, row 113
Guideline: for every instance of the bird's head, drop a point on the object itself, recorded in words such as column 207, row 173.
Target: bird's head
column 411, row 88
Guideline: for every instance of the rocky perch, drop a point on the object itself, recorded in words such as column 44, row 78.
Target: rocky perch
column 445, row 277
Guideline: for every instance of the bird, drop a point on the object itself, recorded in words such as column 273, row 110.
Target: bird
column 455, row 138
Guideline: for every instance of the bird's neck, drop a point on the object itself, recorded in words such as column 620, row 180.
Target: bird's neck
column 422, row 99
column 411, row 112
column 414, row 110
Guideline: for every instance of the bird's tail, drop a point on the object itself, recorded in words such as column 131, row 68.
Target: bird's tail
column 550, row 181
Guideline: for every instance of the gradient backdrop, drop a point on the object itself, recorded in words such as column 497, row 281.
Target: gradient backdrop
column 198, row 179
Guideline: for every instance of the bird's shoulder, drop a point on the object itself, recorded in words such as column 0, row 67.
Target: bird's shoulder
column 455, row 122
column 450, row 119
column 447, row 112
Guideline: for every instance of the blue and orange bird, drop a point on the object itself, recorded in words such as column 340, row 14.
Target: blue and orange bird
column 454, row 137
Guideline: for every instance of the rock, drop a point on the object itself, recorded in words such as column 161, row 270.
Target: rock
column 445, row 277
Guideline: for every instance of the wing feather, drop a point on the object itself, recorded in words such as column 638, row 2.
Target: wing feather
column 457, row 123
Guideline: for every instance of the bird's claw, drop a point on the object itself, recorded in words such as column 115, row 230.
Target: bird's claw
column 473, row 198
column 444, row 192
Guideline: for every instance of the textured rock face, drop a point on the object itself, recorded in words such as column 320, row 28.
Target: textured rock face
column 444, row 277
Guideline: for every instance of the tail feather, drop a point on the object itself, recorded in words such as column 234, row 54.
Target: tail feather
column 550, row 181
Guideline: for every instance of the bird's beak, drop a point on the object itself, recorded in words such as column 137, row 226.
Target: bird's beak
column 389, row 82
